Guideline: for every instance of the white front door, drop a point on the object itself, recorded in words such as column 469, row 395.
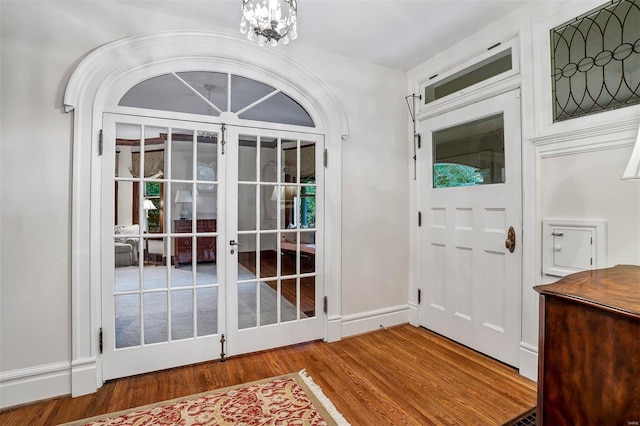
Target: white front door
column 274, row 244
column 175, row 193
column 469, row 195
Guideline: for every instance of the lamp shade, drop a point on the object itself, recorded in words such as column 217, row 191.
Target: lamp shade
column 633, row 167
column 148, row 205
column 183, row 196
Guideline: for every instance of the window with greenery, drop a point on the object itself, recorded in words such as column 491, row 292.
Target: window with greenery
column 153, row 192
column 595, row 60
column 308, row 206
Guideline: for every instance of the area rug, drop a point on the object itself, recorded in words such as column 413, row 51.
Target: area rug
column 293, row 399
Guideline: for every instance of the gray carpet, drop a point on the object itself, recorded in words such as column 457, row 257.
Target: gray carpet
column 183, row 323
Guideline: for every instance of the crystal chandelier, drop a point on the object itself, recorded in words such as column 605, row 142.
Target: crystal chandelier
column 264, row 20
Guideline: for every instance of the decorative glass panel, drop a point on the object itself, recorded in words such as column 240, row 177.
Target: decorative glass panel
column 596, row 61
column 211, row 85
column 469, row 154
column 245, row 91
column 483, row 70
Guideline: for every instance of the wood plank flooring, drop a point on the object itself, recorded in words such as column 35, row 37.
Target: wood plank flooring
column 399, row 375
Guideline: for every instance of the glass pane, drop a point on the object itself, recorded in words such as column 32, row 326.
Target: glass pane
column 156, row 322
column 245, row 91
column 289, row 161
column 247, row 158
column 268, row 159
column 289, row 301
column 289, row 253
column 166, row 93
column 279, row 108
column 269, row 206
column 211, row 85
column 289, row 209
column 127, row 310
column 127, row 142
column 207, row 152
column 207, row 202
column 182, row 154
column 126, row 273
column 181, row 314
column 247, row 305
column 308, row 297
column 153, row 207
column 268, row 258
column 246, row 207
column 307, row 210
column 469, row 154
column 154, row 152
column 154, row 271
column 307, row 252
column 483, row 70
column 247, row 257
column 307, row 164
column 182, row 276
column 268, row 302
column 206, row 268
column 207, row 302
column 182, row 206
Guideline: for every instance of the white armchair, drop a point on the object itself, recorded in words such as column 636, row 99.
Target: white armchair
column 126, row 248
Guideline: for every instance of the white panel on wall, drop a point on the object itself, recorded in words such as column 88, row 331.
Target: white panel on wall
column 573, row 245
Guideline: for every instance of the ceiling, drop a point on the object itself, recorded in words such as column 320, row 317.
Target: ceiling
column 395, row 33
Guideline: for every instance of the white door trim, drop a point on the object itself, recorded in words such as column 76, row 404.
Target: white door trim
column 105, row 71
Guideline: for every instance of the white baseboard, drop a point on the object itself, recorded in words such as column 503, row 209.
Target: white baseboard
column 19, row 387
column 84, row 374
column 364, row 322
column 334, row 328
column 529, row 361
column 413, row 315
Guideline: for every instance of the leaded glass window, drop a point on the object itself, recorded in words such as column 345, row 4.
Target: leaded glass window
column 595, row 60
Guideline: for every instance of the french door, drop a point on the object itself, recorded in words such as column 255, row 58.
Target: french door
column 206, row 232
column 469, row 253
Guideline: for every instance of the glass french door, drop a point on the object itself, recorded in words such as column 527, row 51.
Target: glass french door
column 274, row 242
column 207, row 233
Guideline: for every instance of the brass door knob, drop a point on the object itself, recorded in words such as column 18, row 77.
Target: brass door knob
column 510, row 242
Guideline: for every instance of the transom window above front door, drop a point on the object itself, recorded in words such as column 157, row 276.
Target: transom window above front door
column 213, row 93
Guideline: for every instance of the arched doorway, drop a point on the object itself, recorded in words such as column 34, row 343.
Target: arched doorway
column 95, row 92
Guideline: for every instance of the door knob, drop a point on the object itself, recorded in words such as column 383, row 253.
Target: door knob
column 510, row 242
column 234, row 243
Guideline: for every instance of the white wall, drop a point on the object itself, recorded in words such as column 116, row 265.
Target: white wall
column 41, row 43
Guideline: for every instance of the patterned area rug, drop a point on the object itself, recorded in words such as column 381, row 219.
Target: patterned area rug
column 293, row 399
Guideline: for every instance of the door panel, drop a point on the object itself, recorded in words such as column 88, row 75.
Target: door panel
column 469, row 189
column 161, row 282
column 272, row 271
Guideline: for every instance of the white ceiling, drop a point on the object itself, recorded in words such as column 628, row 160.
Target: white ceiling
column 395, row 33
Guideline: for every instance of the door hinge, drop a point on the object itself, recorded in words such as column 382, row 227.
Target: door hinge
column 591, row 241
column 325, row 158
column 419, row 296
column 325, row 305
column 100, row 341
column 591, row 261
column 419, row 139
column 419, row 218
column 100, row 145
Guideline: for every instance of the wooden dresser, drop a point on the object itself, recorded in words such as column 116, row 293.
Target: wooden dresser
column 206, row 246
column 589, row 349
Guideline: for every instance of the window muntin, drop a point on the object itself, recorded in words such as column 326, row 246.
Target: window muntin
column 211, row 93
column 595, row 61
column 469, row 154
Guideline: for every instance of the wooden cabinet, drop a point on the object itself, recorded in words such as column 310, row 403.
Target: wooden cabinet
column 589, row 349
column 183, row 246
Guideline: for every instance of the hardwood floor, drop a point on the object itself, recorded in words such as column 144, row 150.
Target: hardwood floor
column 400, row 375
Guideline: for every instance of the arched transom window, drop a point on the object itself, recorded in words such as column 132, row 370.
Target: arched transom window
column 212, row 93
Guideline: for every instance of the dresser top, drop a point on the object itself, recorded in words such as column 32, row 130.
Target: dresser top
column 615, row 289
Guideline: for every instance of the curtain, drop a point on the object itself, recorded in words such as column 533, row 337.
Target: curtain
column 153, row 164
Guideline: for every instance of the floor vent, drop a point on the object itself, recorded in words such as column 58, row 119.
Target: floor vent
column 526, row 419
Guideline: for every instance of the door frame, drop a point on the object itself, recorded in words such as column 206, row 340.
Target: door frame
column 96, row 85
